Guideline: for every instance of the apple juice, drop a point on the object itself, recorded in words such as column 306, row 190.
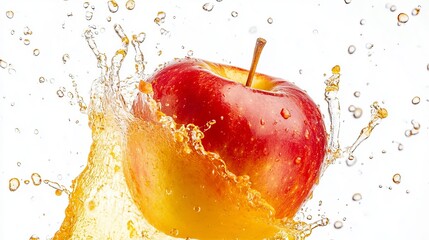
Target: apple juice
column 101, row 205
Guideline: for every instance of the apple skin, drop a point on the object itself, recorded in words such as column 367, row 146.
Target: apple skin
column 275, row 135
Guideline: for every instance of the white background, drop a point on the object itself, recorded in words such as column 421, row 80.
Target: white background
column 305, row 40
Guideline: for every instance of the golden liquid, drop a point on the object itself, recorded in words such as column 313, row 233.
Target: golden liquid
column 101, row 205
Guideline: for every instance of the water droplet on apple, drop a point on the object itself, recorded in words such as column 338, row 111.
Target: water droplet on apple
column 262, row 121
column 197, row 209
column 174, row 232
column 285, row 113
column 298, row 160
column 351, row 49
column 357, row 197
column 234, row 14
column 208, row 7
column 168, row 191
column 402, row 18
column 415, row 100
column 338, row 224
column 14, row 184
column 397, row 178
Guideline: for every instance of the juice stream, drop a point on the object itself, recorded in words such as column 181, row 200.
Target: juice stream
column 101, row 204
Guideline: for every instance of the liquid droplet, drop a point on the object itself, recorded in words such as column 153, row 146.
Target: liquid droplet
column 357, row 113
column 362, row 22
column 88, row 15
column 36, row 179
column 190, row 53
column 160, row 18
column 400, row 147
column 338, row 225
column 285, row 113
column 347, row 1
column 270, row 20
column 396, row 178
column 65, row 58
column 357, row 197
column 34, row 237
column 416, row 125
column 174, row 232
column 416, row 11
column 36, row 52
column 17, row 130
column 234, row 14
column 415, row 100
column 27, row 31
column 208, row 7
column 298, row 160
column 393, row 8
column 60, row 93
column 356, row 94
column 403, row 18
column 3, row 64
column 262, row 121
column 351, row 49
column 86, row 5
column 42, row 79
column 26, row 41
column 36, row 131
column 113, row 6
column 10, row 14
column 130, row 4
column 369, row 46
column 14, row 184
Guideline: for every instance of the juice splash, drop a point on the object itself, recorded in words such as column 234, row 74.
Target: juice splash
column 101, row 205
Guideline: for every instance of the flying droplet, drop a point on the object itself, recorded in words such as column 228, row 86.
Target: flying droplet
column 351, row 49
column 36, row 131
column 113, row 6
column 208, row 7
column 356, row 94
column 400, row 147
column 27, row 31
column 338, row 224
column 357, row 113
column 26, row 41
column 65, row 58
column 393, row 8
column 160, row 17
column 34, row 237
column 130, row 4
column 10, row 14
column 362, row 22
column 397, row 178
column 36, row 179
column 416, row 125
column 36, row 52
column 357, row 197
column 285, row 113
column 347, row 1
column 3, row 64
column 403, row 18
column 60, row 93
column 416, row 11
column 369, row 46
column 88, row 15
column 234, row 14
column 14, row 184
column 415, row 100
column 270, row 20
column 86, row 4
column 42, row 79
column 12, row 32
column 190, row 53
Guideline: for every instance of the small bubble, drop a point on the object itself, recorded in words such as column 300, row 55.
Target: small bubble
column 396, row 178
column 60, row 93
column 130, row 4
column 190, row 53
column 3, row 64
column 65, row 58
column 42, row 79
column 86, row 4
column 113, row 6
column 88, row 15
column 338, row 224
column 36, row 131
column 403, row 18
column 400, row 146
column 356, row 94
column 392, row 8
column 416, row 11
column 407, row 191
column 357, row 113
column 18, row 164
column 26, row 41
column 10, row 14
column 208, row 7
column 234, row 14
column 14, row 184
column 362, row 22
column 36, row 179
column 285, row 113
column 369, row 46
column 357, row 197
column 415, row 100
column 270, row 20
column 351, row 49
column 174, row 232
column 36, row 52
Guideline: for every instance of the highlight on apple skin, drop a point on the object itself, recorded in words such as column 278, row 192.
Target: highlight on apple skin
column 271, row 132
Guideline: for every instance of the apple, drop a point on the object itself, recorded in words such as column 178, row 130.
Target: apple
column 264, row 129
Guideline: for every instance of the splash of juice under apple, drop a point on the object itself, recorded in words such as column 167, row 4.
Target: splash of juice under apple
column 100, row 204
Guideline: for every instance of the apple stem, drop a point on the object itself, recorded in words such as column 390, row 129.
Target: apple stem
column 260, row 43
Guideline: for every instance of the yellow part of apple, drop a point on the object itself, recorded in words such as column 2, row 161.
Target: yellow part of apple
column 175, row 182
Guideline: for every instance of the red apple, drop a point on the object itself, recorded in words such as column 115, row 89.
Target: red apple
column 272, row 132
